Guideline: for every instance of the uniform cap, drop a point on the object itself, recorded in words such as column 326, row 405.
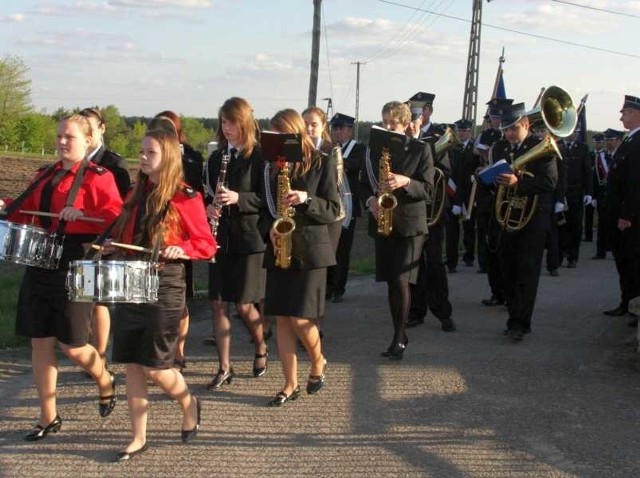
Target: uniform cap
column 340, row 119
column 630, row 103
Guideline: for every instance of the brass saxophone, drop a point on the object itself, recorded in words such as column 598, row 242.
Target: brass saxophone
column 387, row 202
column 283, row 226
column 217, row 205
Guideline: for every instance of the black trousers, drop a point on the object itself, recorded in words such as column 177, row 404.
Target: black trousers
column 452, row 230
column 571, row 232
column 521, row 258
column 431, row 290
column 337, row 275
column 553, row 244
column 603, row 239
column 627, row 256
column 588, row 222
column 482, row 219
column 493, row 245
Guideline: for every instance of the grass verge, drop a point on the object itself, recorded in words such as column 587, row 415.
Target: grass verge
column 9, row 286
column 363, row 266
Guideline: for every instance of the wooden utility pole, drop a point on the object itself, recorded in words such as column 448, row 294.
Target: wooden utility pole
column 315, row 53
column 470, row 101
column 357, row 63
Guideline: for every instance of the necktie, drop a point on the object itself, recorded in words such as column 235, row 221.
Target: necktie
column 45, row 196
column 233, row 153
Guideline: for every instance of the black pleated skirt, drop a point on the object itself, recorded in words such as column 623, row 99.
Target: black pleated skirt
column 238, row 278
column 296, row 293
column 398, row 258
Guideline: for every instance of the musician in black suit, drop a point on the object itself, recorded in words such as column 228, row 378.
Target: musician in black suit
column 234, row 204
column 521, row 251
column 487, row 230
column 410, row 181
column 353, row 154
column 623, row 207
column 431, row 290
column 600, row 166
column 99, row 154
column 296, row 295
column 575, row 156
column 464, row 163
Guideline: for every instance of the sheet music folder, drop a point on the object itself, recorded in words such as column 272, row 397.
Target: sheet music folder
column 489, row 174
column 381, row 138
column 278, row 147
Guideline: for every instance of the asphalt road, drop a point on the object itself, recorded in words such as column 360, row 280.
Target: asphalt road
column 562, row 403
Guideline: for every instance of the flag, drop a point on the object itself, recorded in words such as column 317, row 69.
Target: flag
column 498, row 89
column 451, row 188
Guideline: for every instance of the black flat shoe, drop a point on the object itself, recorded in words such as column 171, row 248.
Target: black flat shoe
column 448, row 325
column 189, row 435
column 281, row 398
column 617, row 312
column 39, row 432
column 260, row 371
column 316, row 382
column 395, row 352
column 221, row 378
column 107, row 408
column 123, row 456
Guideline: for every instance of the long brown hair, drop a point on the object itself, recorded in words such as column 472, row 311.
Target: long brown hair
column 314, row 110
column 177, row 123
column 239, row 111
column 170, row 181
column 290, row 121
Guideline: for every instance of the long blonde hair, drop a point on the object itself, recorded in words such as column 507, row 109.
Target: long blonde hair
column 290, row 121
column 170, row 181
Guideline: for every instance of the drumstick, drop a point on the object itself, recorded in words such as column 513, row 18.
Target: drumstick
column 134, row 248
column 53, row 214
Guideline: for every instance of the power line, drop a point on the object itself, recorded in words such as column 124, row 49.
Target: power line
column 588, row 7
column 542, row 37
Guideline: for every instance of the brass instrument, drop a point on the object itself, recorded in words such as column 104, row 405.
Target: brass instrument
column 387, row 202
column 556, row 110
column 217, row 205
column 283, row 226
column 513, row 212
column 446, row 142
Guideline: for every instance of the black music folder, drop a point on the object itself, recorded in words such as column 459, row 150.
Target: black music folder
column 381, row 138
column 277, row 147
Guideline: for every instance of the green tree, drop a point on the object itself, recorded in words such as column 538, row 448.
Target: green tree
column 15, row 98
column 196, row 133
column 119, row 144
column 116, row 126
column 36, row 132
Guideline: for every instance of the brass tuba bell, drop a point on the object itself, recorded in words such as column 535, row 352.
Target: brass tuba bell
column 556, row 110
column 447, row 141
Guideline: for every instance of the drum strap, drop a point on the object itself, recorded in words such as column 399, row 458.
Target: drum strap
column 13, row 207
column 71, row 197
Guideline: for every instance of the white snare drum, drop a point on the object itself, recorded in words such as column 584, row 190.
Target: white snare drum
column 29, row 245
column 133, row 282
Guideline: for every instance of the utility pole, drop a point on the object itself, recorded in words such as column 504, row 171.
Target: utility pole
column 358, row 64
column 315, row 53
column 329, row 111
column 470, row 101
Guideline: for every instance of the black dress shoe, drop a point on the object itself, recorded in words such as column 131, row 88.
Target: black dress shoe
column 316, row 382
column 281, row 398
column 39, row 432
column 492, row 301
column 448, row 325
column 617, row 312
column 395, row 352
column 123, row 456
column 106, row 408
column 189, row 435
column 515, row 335
column 572, row 264
column 221, row 378
column 260, row 371
column 554, row 273
column 414, row 322
column 338, row 296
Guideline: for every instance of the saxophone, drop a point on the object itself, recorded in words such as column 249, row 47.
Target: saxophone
column 386, row 200
column 217, row 205
column 283, row 226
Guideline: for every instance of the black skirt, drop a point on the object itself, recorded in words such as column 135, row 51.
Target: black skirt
column 297, row 293
column 147, row 334
column 44, row 309
column 238, row 278
column 398, row 258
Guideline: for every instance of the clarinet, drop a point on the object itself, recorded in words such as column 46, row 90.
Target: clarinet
column 217, row 205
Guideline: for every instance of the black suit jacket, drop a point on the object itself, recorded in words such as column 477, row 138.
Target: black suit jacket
column 464, row 164
column 539, row 178
column 192, row 166
column 410, row 215
column 118, row 167
column 578, row 164
column 238, row 226
column 353, row 164
column 311, row 246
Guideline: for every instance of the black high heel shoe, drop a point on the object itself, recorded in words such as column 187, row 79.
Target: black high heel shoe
column 123, row 456
column 39, row 432
column 260, row 371
column 281, row 398
column 316, row 382
column 221, row 378
column 188, row 435
column 395, row 352
column 107, row 408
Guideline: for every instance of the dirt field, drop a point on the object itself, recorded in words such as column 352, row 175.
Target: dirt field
column 16, row 173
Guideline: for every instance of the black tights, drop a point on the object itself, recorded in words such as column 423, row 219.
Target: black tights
column 399, row 303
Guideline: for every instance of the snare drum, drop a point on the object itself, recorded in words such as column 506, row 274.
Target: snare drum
column 133, row 282
column 29, row 245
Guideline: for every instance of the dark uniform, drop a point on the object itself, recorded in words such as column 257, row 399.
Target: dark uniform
column 579, row 184
column 557, row 219
column 600, row 160
column 117, row 165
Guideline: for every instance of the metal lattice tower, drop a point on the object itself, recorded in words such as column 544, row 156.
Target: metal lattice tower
column 470, row 102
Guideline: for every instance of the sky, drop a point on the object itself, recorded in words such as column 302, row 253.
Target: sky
column 145, row 56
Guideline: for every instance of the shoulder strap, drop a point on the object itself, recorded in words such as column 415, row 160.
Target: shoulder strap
column 13, row 207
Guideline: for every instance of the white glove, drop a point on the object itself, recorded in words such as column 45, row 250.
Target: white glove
column 456, row 210
column 559, row 207
column 594, row 203
column 587, row 200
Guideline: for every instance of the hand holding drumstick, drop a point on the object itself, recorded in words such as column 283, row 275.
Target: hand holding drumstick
column 171, row 252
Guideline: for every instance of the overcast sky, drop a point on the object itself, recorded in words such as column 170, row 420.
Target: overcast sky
column 145, row 56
